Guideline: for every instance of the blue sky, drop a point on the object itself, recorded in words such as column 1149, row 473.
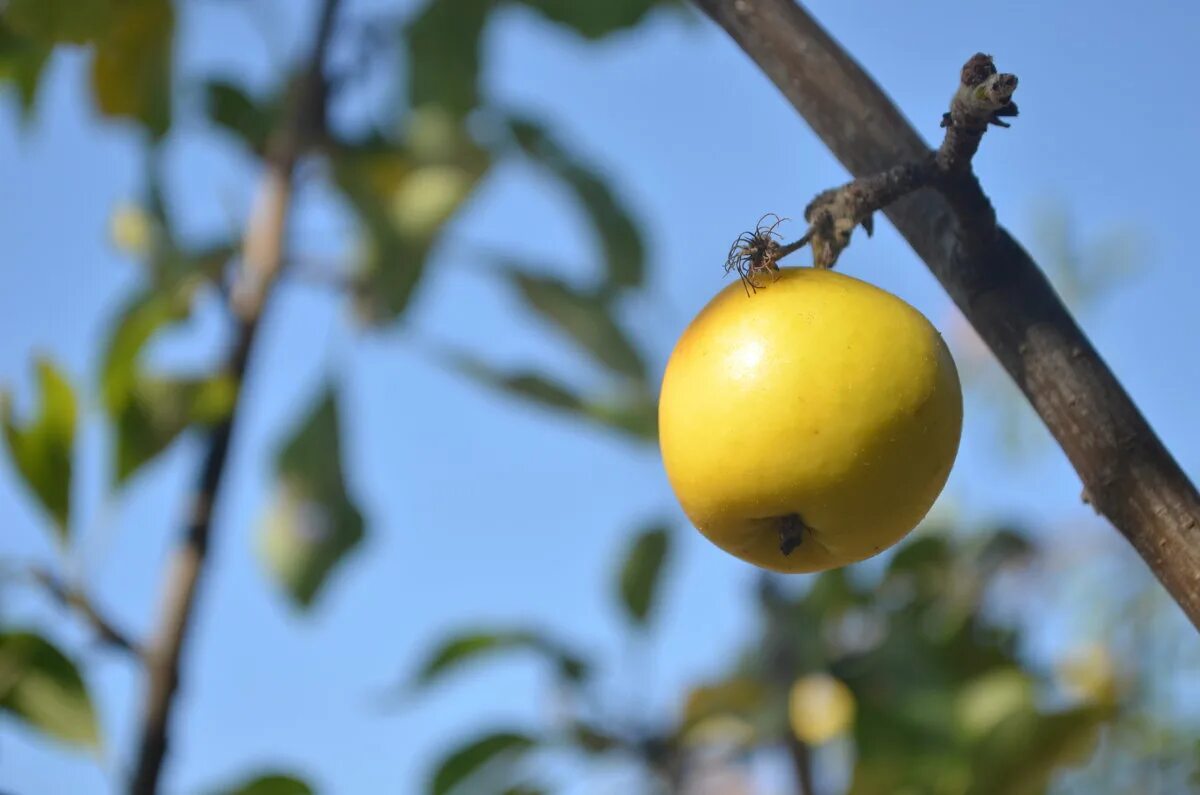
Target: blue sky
column 484, row 510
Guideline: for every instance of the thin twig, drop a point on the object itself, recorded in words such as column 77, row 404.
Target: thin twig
column 833, row 214
column 75, row 599
column 983, row 96
column 263, row 257
column 1129, row 475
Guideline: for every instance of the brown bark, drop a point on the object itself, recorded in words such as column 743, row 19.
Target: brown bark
column 1128, row 475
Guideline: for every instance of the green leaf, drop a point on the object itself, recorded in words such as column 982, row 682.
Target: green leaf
column 470, row 759
column 594, row 20
column 467, row 647
column 403, row 193
column 159, row 410
column 131, row 70
column 21, row 62
column 233, row 109
column 641, row 572
column 313, row 523
column 925, row 562
column 1005, row 546
column 592, row 739
column 269, row 784
column 149, row 412
column 42, row 448
column 583, row 317
column 620, row 238
column 41, row 686
column 1023, row 753
column 178, row 269
column 635, row 415
column 530, row 386
column 740, row 697
column 982, row 703
column 443, row 54
column 140, row 319
column 59, row 21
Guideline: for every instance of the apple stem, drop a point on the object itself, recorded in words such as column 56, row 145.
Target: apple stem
column 983, row 99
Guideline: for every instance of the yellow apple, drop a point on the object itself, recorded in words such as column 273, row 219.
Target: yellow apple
column 809, row 423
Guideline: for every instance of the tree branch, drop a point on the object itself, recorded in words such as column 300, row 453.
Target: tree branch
column 263, row 255
column 1127, row 472
column 75, row 599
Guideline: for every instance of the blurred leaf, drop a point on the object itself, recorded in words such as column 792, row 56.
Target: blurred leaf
column 832, row 593
column 1084, row 273
column 443, row 54
column 924, row 563
column 620, row 237
column 592, row 739
column 636, row 415
column 232, row 108
column 468, row 647
column 269, row 784
column 641, row 572
column 927, row 555
column 42, row 448
column 1005, row 547
column 528, row 385
column 173, row 268
column 467, row 760
column 21, row 62
column 403, row 193
column 158, row 410
column 131, row 70
column 584, row 317
column 312, row 523
column 991, row 698
column 150, row 412
column 139, row 320
column 738, row 697
column 1090, row 673
column 1022, row 754
column 41, row 686
column 594, row 20
column 304, row 539
column 55, row 21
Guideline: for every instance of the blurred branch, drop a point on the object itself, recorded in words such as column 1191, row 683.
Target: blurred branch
column 801, row 757
column 75, row 599
column 264, row 245
column 782, row 668
column 1129, row 475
